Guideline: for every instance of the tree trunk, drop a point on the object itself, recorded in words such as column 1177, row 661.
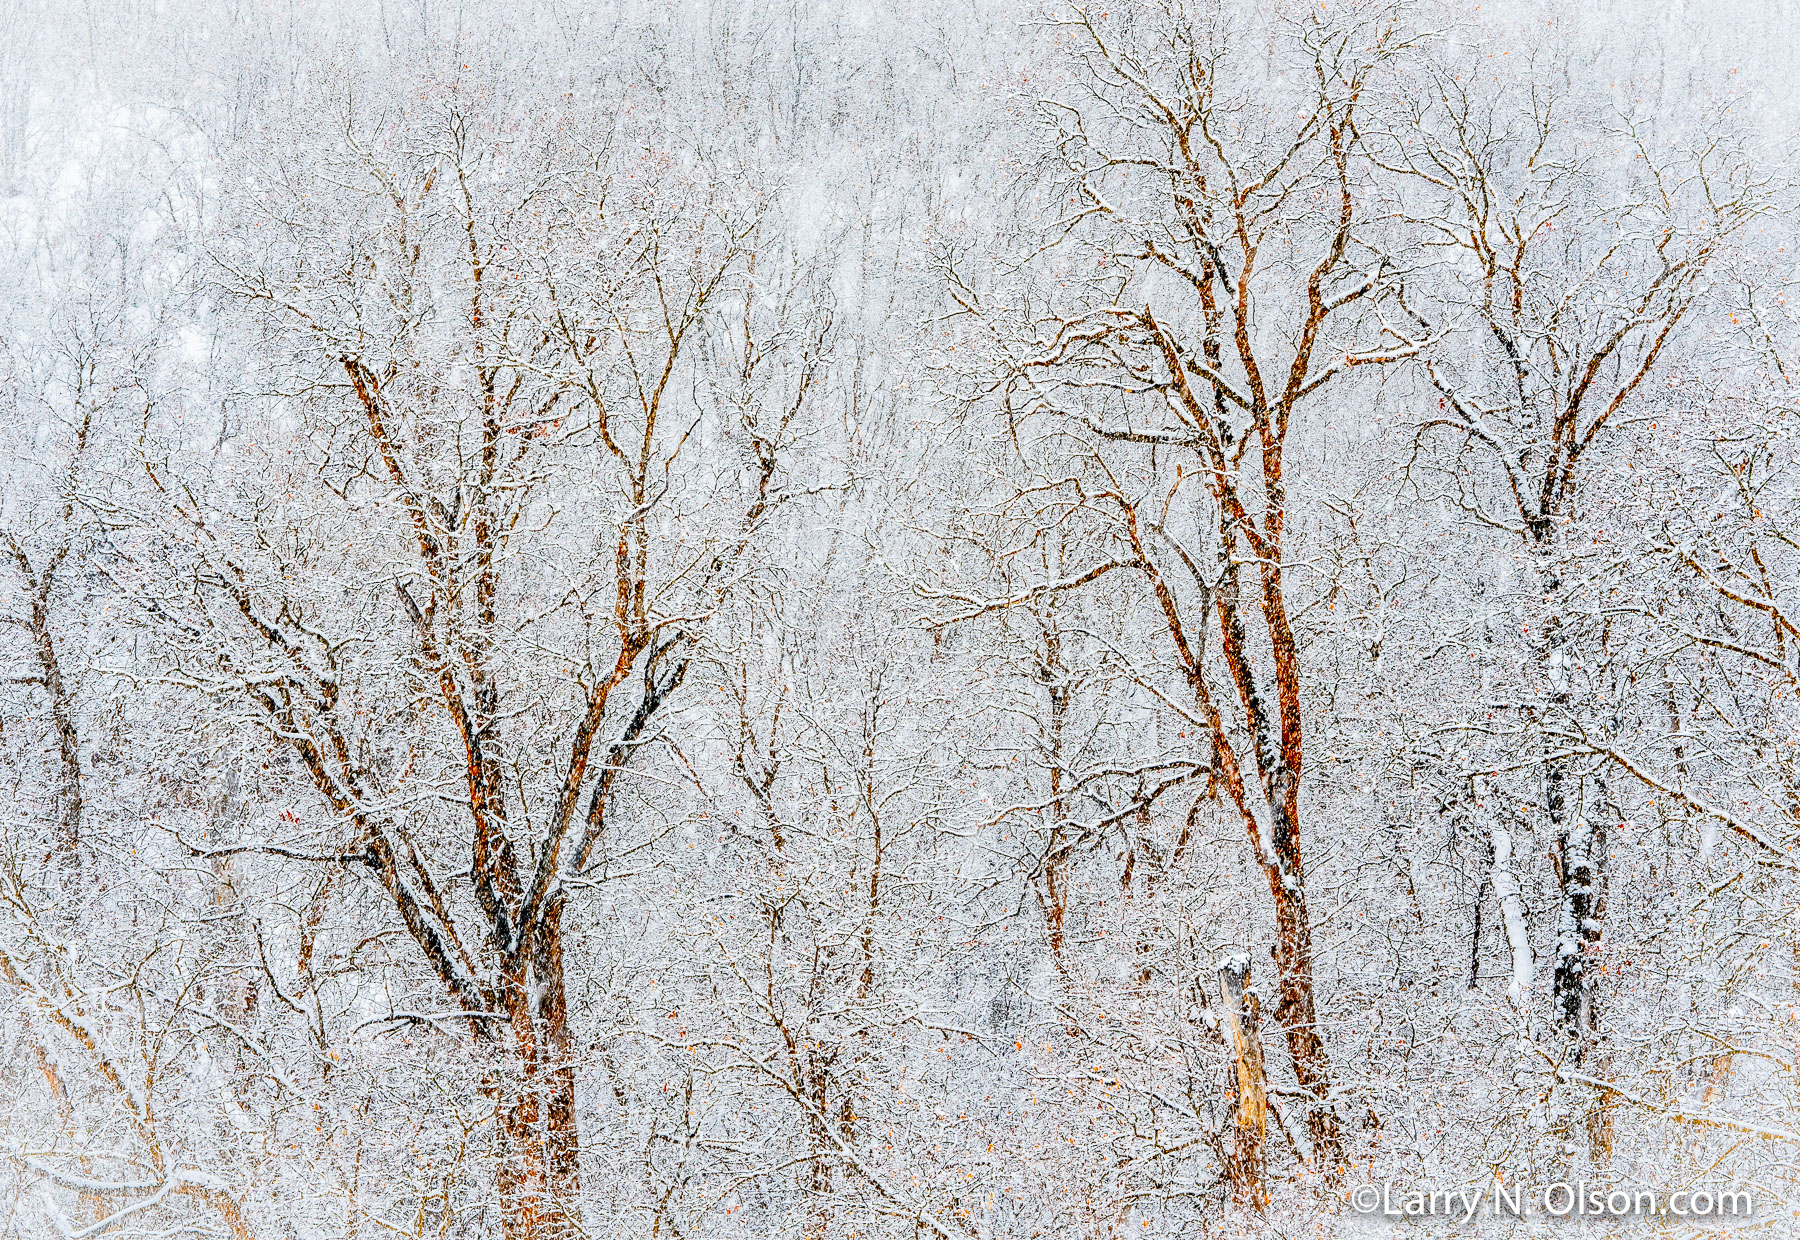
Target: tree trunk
column 1579, row 849
column 1298, row 1018
column 1579, row 912
column 818, row 1171
column 1055, row 893
column 564, row 1135
column 539, row 1181
column 1247, row 1165
column 1579, row 869
column 1266, row 796
column 49, row 677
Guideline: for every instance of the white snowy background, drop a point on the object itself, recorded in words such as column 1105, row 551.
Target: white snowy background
column 882, row 620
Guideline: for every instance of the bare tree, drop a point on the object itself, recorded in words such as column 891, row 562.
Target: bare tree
column 1570, row 296
column 80, row 363
column 481, row 334
column 584, row 698
column 1226, row 278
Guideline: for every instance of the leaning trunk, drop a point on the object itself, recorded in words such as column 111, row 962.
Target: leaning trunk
column 62, row 704
column 1294, row 976
column 1279, row 754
